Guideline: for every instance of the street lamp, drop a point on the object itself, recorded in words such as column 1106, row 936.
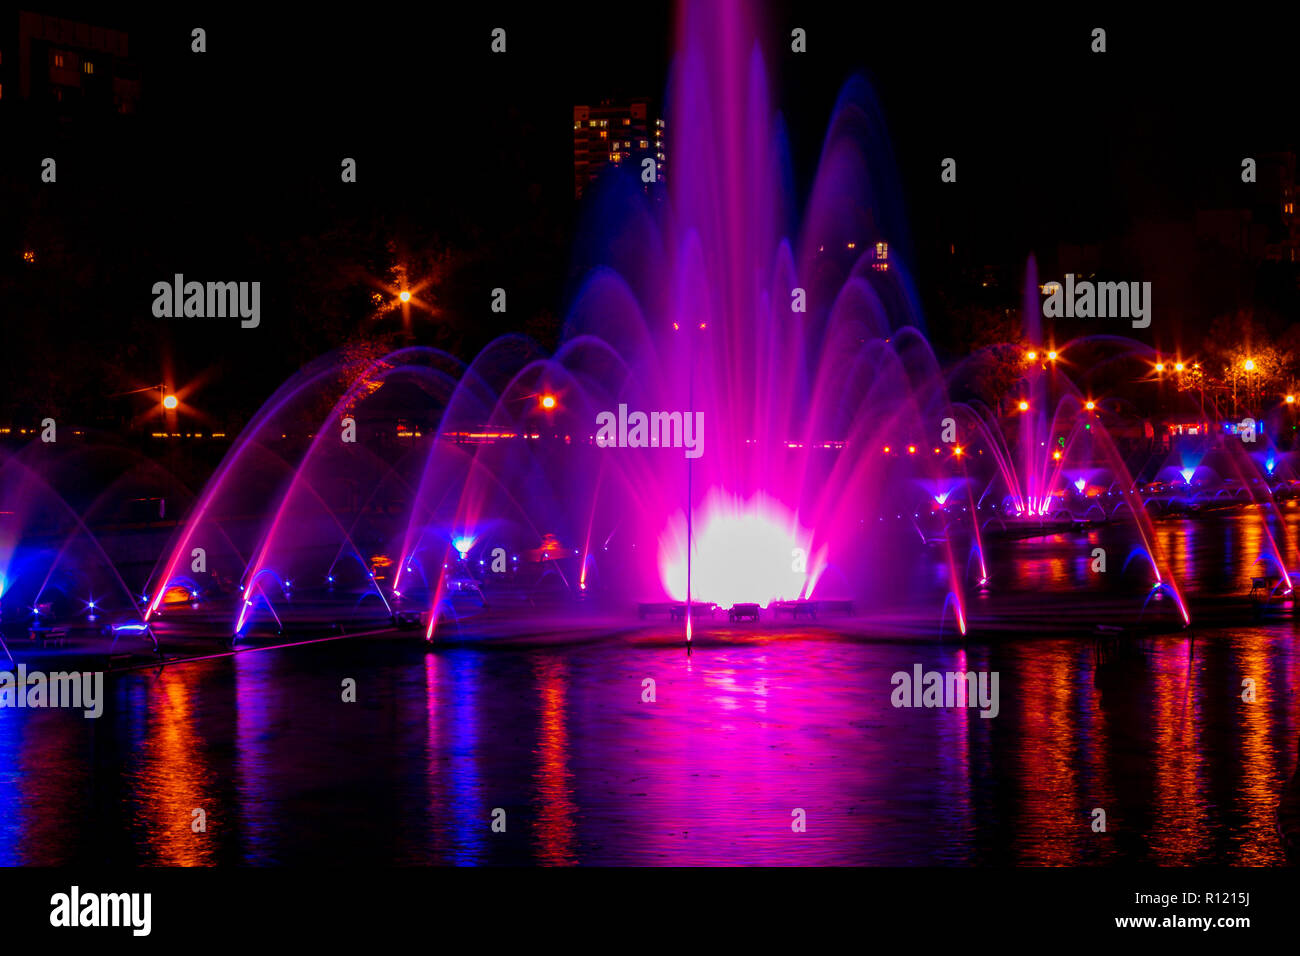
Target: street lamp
column 548, row 402
column 1024, row 406
column 170, row 402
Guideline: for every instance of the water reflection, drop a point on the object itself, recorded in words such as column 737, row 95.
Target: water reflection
column 555, row 827
column 171, row 777
column 738, row 740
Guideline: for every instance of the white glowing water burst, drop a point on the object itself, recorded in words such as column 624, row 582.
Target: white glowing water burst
column 744, row 553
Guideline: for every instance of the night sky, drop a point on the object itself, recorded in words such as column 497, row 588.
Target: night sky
column 231, row 168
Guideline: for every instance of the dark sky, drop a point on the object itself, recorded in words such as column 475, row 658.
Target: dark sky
column 1052, row 139
column 240, row 146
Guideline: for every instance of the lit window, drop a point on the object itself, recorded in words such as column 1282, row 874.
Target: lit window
column 645, row 144
column 882, row 250
column 627, row 122
column 58, row 59
column 591, row 124
column 88, row 67
column 603, row 134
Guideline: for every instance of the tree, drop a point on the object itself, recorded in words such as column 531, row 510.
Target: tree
column 1247, row 361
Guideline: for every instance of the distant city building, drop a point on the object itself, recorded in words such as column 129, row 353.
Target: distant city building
column 1277, row 181
column 615, row 133
column 66, row 66
column 1266, row 228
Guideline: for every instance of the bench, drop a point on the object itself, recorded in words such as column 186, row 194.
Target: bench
column 678, row 611
column 743, row 612
column 795, row 608
column 49, row 635
column 1265, row 584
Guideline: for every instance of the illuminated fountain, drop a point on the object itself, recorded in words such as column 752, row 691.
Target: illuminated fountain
column 791, row 448
column 54, row 571
column 819, row 470
column 1053, row 466
column 795, row 345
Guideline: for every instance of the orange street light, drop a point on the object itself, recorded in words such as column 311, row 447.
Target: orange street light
column 1178, row 366
column 1051, row 356
column 170, row 402
column 1249, row 365
column 548, row 402
column 404, row 295
column 1024, row 406
column 1090, row 405
column 1160, row 366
